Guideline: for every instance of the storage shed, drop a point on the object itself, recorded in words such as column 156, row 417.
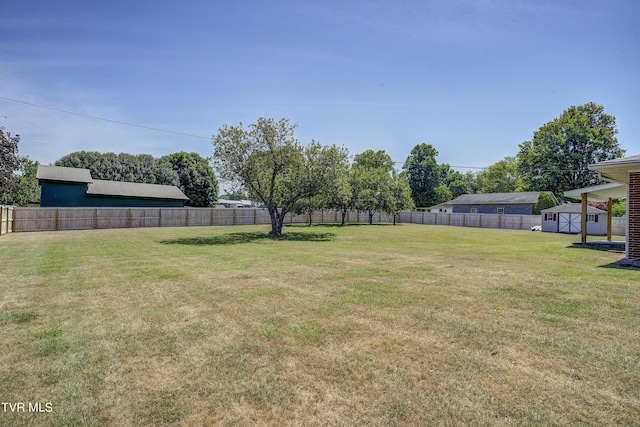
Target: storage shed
column 567, row 218
column 63, row 186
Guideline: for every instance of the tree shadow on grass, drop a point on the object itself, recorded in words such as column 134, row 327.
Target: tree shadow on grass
column 249, row 237
column 332, row 225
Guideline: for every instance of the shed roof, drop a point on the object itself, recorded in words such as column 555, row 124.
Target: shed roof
column 61, row 173
column 573, row 208
column 134, row 189
column 617, row 169
column 496, row 198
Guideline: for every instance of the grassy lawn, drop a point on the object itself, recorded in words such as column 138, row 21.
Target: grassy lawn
column 355, row 325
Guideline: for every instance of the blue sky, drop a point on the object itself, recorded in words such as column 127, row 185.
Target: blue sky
column 472, row 78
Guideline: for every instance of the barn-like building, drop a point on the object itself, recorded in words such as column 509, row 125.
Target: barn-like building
column 64, row 187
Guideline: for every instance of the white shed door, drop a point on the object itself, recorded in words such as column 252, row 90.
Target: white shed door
column 569, row 222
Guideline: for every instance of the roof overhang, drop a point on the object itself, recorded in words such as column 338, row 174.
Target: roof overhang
column 600, row 193
column 617, row 170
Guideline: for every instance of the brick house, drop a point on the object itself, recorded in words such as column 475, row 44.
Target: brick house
column 627, row 171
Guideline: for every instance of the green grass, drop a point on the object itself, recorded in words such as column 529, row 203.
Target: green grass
column 354, row 325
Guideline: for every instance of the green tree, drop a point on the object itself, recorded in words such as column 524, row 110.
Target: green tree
column 501, row 177
column 28, row 190
column 372, row 182
column 619, row 208
column 457, row 183
column 557, row 157
column 545, row 201
column 400, row 195
column 10, row 162
column 142, row 168
column 443, row 194
column 333, row 163
column 424, row 174
column 196, row 177
column 268, row 161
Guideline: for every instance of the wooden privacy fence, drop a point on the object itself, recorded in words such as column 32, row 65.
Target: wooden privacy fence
column 49, row 219
column 6, row 219
column 514, row 222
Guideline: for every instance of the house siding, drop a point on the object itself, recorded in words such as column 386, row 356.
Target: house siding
column 131, row 202
column 633, row 206
column 509, row 209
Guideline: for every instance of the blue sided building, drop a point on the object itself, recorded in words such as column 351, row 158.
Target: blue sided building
column 66, row 187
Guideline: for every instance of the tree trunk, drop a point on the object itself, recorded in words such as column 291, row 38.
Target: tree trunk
column 371, row 217
column 276, row 221
column 394, row 219
column 310, row 218
column 344, row 215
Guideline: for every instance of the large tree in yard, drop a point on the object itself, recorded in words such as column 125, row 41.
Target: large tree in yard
column 557, row 157
column 268, row 161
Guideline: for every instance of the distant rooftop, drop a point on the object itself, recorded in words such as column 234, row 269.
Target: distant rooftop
column 496, row 198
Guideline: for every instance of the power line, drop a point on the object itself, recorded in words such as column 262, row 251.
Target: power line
column 206, row 137
column 104, row 119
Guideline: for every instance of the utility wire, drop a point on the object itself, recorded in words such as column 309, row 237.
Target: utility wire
column 103, row 119
column 206, row 137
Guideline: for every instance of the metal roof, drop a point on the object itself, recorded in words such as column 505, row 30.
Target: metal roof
column 617, row 169
column 573, row 208
column 61, row 173
column 601, row 193
column 496, row 198
column 134, row 189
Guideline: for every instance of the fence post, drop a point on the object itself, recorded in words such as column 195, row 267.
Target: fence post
column 129, row 215
column 159, row 217
column 95, row 218
column 55, row 227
